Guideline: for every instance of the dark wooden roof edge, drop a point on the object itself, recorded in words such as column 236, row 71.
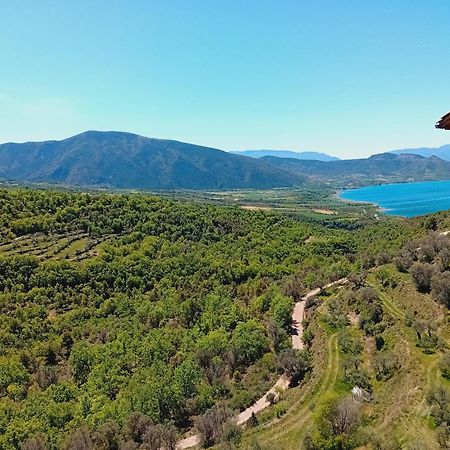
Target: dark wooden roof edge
column 444, row 122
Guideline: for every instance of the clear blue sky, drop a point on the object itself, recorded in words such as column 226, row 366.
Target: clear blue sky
column 349, row 77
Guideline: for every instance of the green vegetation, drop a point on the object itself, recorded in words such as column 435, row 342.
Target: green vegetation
column 128, row 320
column 386, row 386
column 114, row 306
column 316, row 202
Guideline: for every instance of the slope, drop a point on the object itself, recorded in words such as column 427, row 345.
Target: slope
column 125, row 160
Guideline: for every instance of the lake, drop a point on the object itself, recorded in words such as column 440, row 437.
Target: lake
column 404, row 199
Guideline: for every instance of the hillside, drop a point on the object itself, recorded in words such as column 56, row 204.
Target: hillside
column 381, row 360
column 442, row 152
column 135, row 322
column 125, row 315
column 381, row 168
column 317, row 156
column 124, row 160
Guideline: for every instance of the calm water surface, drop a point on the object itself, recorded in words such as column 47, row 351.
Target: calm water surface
column 404, row 199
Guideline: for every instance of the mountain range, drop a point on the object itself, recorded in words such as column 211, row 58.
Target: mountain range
column 125, row 160
column 128, row 161
column 442, row 152
column 317, row 156
column 385, row 167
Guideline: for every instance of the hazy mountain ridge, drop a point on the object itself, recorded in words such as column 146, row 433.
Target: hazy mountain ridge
column 377, row 168
column 442, row 152
column 317, row 156
column 125, row 160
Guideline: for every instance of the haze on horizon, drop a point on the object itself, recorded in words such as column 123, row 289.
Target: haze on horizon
column 345, row 78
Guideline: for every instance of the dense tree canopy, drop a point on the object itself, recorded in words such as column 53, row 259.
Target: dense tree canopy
column 113, row 306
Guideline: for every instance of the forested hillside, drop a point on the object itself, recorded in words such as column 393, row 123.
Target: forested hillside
column 128, row 161
column 379, row 354
column 127, row 315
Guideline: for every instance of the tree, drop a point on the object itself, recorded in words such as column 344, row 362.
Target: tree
column 295, row 363
column 293, row 287
column 81, row 359
column 422, row 273
column 345, row 416
column 188, row 376
column 34, row 443
column 385, row 364
column 445, row 365
column 211, row 424
column 253, row 420
column 404, row 261
column 440, row 288
column 159, row 437
column 281, row 311
column 368, row 294
column 107, row 437
column 350, row 343
column 439, row 400
column 12, row 373
column 277, row 335
column 136, row 426
column 81, row 439
column 336, row 421
column 443, row 259
column 249, row 341
column 271, row 398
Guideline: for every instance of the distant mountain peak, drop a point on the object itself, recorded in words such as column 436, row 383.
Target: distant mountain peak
column 442, row 152
column 308, row 155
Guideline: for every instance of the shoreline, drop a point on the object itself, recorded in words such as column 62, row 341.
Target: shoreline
column 402, row 199
column 379, row 209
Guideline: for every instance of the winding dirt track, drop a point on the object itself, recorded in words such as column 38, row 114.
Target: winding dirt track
column 283, row 382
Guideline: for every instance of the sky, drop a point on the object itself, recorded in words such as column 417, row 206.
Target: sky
column 348, row 77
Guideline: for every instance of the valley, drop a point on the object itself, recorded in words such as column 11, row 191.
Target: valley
column 224, row 225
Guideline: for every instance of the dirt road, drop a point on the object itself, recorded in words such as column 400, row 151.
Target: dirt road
column 283, row 382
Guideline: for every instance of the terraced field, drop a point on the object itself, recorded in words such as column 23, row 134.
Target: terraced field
column 73, row 246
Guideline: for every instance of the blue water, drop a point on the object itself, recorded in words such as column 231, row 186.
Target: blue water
column 404, row 199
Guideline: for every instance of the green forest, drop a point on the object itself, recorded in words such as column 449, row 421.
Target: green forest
column 127, row 315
